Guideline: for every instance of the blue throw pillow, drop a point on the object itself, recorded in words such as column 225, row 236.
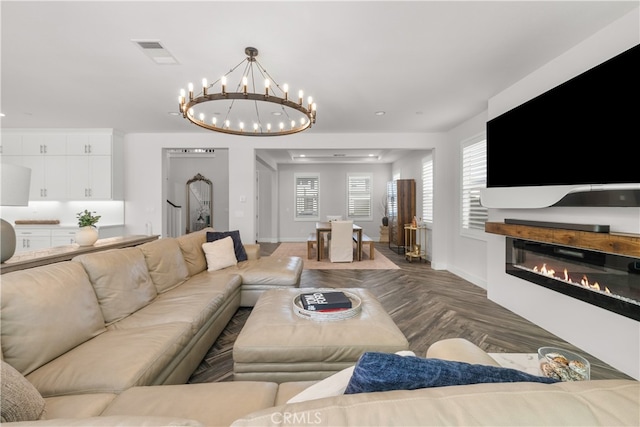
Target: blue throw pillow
column 385, row 371
column 241, row 254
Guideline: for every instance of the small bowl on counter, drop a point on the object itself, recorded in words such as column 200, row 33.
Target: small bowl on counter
column 563, row 365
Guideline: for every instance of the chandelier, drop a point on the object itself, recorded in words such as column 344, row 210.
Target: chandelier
column 241, row 110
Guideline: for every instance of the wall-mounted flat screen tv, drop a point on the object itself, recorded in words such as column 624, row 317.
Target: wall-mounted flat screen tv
column 584, row 131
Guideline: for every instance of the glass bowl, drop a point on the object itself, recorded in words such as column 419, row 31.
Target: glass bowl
column 563, row 365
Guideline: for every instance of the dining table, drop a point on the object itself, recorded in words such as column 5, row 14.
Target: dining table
column 325, row 227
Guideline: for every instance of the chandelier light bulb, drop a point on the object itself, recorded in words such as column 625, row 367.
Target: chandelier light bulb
column 300, row 97
column 204, row 86
column 255, row 127
column 281, row 125
column 267, row 83
column 223, row 82
column 241, row 126
column 226, row 124
column 202, row 117
column 293, row 124
column 285, row 88
column 268, row 127
column 190, row 91
column 214, row 121
column 244, row 84
column 309, row 102
column 191, row 112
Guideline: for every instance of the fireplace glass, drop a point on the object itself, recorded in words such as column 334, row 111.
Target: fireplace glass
column 606, row 280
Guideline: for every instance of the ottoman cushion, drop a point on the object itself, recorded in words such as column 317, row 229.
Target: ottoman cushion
column 277, row 345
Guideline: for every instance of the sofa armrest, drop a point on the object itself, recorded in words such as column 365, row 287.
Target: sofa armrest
column 253, row 250
column 112, row 421
column 460, row 350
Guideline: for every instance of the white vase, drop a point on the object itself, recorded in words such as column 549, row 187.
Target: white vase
column 86, row 236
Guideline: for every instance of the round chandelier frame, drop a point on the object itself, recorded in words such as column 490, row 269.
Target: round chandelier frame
column 257, row 125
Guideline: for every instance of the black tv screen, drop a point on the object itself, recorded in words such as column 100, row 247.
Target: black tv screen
column 584, row 131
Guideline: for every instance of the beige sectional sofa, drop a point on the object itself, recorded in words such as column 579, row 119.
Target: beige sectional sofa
column 109, row 339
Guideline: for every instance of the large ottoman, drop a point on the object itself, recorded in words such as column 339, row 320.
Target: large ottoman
column 277, row 345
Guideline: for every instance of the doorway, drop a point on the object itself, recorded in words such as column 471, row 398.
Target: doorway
column 181, row 165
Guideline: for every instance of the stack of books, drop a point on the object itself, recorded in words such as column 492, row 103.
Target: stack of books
column 325, row 301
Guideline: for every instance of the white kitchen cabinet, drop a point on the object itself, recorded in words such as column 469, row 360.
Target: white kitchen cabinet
column 68, row 164
column 44, row 145
column 89, row 145
column 32, row 239
column 48, row 177
column 11, row 145
column 89, row 177
column 63, row 237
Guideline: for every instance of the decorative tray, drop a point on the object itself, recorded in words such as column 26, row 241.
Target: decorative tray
column 328, row 316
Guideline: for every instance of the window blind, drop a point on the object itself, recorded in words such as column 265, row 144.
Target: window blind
column 474, row 178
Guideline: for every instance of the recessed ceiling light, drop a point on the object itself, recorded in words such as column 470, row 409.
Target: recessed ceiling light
column 380, row 113
column 277, row 113
column 173, row 113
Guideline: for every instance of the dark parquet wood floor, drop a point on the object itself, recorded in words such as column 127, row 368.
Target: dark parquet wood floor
column 427, row 305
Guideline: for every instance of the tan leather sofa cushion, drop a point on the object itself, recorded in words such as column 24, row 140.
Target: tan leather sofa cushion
column 39, row 304
column 191, row 246
column 115, row 421
column 121, row 281
column 166, row 265
column 143, row 357
column 212, row 404
column 270, row 271
column 579, row 403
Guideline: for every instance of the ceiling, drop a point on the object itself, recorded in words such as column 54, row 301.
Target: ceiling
column 428, row 65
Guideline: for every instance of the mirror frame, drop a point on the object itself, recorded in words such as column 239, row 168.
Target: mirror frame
column 199, row 177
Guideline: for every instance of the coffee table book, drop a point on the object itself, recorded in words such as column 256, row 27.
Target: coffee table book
column 325, row 301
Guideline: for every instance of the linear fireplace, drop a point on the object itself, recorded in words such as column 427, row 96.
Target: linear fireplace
column 606, row 280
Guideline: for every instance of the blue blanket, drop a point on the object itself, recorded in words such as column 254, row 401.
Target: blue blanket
column 384, row 371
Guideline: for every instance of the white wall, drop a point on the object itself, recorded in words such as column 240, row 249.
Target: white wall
column 144, row 165
column 612, row 338
column 332, row 196
column 466, row 255
column 216, row 169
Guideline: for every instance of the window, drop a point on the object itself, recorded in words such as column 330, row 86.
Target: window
column 307, row 192
column 474, row 178
column 427, row 189
column 359, row 197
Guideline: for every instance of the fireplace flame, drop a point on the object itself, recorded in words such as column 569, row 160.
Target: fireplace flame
column 550, row 272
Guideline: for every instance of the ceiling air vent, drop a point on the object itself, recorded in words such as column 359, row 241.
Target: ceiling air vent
column 154, row 50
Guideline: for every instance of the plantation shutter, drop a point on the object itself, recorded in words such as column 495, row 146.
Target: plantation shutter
column 474, row 178
column 359, row 196
column 307, row 197
column 427, row 189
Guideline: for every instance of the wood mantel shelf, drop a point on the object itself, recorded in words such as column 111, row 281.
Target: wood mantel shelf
column 67, row 252
column 615, row 243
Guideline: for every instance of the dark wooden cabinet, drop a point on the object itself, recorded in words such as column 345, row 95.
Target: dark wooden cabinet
column 401, row 202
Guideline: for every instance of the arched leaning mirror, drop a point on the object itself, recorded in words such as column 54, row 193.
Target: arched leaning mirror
column 199, row 203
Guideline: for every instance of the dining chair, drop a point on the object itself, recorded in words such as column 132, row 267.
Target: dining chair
column 341, row 243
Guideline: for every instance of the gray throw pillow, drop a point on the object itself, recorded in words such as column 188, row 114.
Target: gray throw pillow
column 19, row 399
